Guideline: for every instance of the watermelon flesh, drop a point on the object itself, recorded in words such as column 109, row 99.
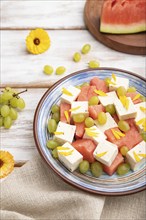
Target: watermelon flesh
column 132, row 95
column 80, row 129
column 99, row 84
column 94, row 110
column 64, row 107
column 123, row 16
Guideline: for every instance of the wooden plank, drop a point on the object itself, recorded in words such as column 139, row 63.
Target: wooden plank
column 52, row 14
column 22, row 69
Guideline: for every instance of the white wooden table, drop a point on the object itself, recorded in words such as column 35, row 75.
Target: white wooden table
column 63, row 20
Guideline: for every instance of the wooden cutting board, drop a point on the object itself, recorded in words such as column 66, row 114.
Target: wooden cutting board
column 127, row 43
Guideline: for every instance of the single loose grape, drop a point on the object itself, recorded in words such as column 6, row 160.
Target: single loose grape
column 89, row 122
column 60, row 70
column 54, row 153
column 86, row 48
column 94, row 64
column 123, row 125
column 123, row 169
column 13, row 114
column 1, row 121
column 94, row 100
column 5, row 110
column 96, row 169
column 51, row 144
column 121, row 91
column 143, row 134
column 124, row 150
column 52, row 125
column 79, row 118
column 7, row 122
column 110, row 108
column 55, row 108
column 102, row 118
column 7, row 96
column 84, row 166
column 131, row 89
column 20, row 103
column 56, row 116
column 48, row 69
column 77, row 57
column 13, row 102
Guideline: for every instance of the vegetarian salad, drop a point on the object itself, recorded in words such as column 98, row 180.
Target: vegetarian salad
column 99, row 126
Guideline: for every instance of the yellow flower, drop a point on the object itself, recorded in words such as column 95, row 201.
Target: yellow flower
column 38, row 41
column 6, row 163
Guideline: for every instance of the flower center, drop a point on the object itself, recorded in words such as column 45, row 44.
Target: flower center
column 36, row 41
column 1, row 163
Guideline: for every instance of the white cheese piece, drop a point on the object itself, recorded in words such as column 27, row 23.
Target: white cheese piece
column 141, row 113
column 79, row 107
column 120, row 81
column 105, row 152
column 124, row 113
column 109, row 99
column 94, row 134
column 70, row 98
column 72, row 159
column 110, row 123
column 66, row 133
column 134, row 156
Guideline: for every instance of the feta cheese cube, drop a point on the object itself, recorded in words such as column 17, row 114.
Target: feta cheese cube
column 141, row 113
column 110, row 123
column 94, row 134
column 105, row 152
column 137, row 156
column 72, row 96
column 64, row 133
column 79, row 107
column 109, row 99
column 69, row 156
column 124, row 113
column 120, row 81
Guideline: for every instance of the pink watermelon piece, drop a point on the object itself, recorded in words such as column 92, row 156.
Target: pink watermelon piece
column 86, row 148
column 64, row 107
column 80, row 129
column 123, row 16
column 94, row 110
column 111, row 169
column 91, row 92
column 99, row 83
column 83, row 96
column 132, row 95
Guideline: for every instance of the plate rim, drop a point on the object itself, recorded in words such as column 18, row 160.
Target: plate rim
column 35, row 120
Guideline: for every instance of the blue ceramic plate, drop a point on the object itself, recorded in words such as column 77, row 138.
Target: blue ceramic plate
column 105, row 185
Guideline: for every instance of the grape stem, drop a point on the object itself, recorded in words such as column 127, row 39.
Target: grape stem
column 20, row 92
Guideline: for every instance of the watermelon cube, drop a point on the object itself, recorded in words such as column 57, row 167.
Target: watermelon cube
column 100, row 84
column 94, row 110
column 64, row 107
column 80, row 128
column 83, row 96
column 132, row 95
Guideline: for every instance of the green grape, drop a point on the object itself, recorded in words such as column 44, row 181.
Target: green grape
column 78, row 87
column 51, row 144
column 5, row 110
column 102, row 118
column 55, row 108
column 1, row 99
column 7, row 96
column 124, row 150
column 54, row 153
column 143, row 134
column 77, row 57
column 121, row 91
column 123, row 125
column 94, row 100
column 79, row 118
column 7, row 122
column 110, row 108
column 60, row 70
column 1, row 121
column 123, row 169
column 52, row 125
column 107, row 80
column 89, row 122
column 56, row 116
column 86, row 48
column 20, row 103
column 131, row 89
column 84, row 166
column 13, row 102
column 143, row 98
column 85, row 84
column 48, row 70
column 94, row 64
column 96, row 169
column 13, row 114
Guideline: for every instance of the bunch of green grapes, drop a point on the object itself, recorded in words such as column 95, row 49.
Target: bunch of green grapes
column 10, row 102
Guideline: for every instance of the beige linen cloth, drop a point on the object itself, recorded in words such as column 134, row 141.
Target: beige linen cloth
column 34, row 191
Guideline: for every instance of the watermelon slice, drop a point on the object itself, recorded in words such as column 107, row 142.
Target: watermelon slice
column 100, row 84
column 65, row 107
column 80, row 128
column 123, row 16
column 94, row 110
column 133, row 95
column 83, row 96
